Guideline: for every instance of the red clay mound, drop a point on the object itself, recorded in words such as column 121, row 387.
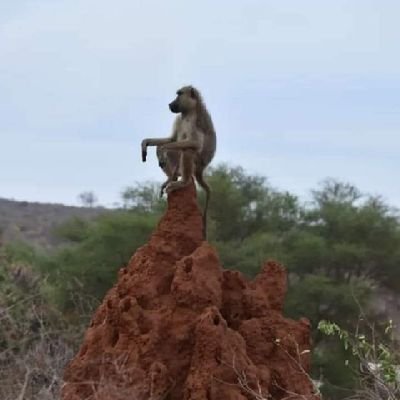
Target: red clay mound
column 178, row 326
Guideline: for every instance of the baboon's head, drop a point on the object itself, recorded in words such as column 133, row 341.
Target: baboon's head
column 186, row 100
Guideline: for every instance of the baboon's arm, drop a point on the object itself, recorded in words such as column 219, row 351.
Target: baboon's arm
column 161, row 141
column 154, row 142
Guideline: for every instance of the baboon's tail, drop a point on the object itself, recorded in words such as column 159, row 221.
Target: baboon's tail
column 204, row 185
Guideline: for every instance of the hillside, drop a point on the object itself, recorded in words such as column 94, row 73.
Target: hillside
column 35, row 222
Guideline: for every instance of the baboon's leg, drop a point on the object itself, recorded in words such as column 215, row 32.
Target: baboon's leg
column 166, row 183
column 204, row 185
column 186, row 170
column 182, row 145
column 171, row 170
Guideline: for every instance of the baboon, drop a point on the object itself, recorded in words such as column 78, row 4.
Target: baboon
column 191, row 146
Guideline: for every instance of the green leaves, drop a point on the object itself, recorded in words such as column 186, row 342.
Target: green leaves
column 372, row 353
column 334, row 248
column 243, row 205
column 317, row 297
column 91, row 263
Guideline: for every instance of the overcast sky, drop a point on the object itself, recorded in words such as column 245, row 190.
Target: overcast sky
column 298, row 90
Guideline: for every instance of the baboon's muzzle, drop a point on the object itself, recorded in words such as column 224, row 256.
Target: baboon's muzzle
column 174, row 107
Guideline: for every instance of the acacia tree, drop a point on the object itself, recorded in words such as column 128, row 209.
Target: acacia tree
column 88, row 199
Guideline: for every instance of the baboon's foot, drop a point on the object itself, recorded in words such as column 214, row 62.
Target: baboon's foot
column 163, row 187
column 162, row 191
column 172, row 186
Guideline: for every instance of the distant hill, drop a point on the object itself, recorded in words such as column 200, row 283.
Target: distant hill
column 35, row 222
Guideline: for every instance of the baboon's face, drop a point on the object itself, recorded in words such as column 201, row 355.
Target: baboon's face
column 185, row 101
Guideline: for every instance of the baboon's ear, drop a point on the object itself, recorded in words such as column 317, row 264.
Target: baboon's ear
column 192, row 93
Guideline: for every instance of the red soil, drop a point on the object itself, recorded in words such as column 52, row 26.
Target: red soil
column 177, row 325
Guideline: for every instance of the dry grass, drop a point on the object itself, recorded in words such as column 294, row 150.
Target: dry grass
column 35, row 374
column 35, row 340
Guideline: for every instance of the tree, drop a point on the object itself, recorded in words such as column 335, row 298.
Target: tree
column 89, row 265
column 244, row 204
column 143, row 197
column 88, row 199
column 361, row 234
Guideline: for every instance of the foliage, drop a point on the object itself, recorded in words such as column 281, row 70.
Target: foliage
column 18, row 252
column 336, row 248
column 88, row 199
column 143, row 198
column 244, row 204
column 319, row 296
column 378, row 362
column 21, row 301
column 91, row 264
column 361, row 234
column 35, row 340
column 73, row 230
column 249, row 254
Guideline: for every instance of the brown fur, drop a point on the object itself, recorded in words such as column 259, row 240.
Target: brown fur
column 191, row 146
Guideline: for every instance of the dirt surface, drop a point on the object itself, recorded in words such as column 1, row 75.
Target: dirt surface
column 177, row 325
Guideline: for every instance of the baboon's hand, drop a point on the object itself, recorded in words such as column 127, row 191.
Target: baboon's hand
column 144, row 150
